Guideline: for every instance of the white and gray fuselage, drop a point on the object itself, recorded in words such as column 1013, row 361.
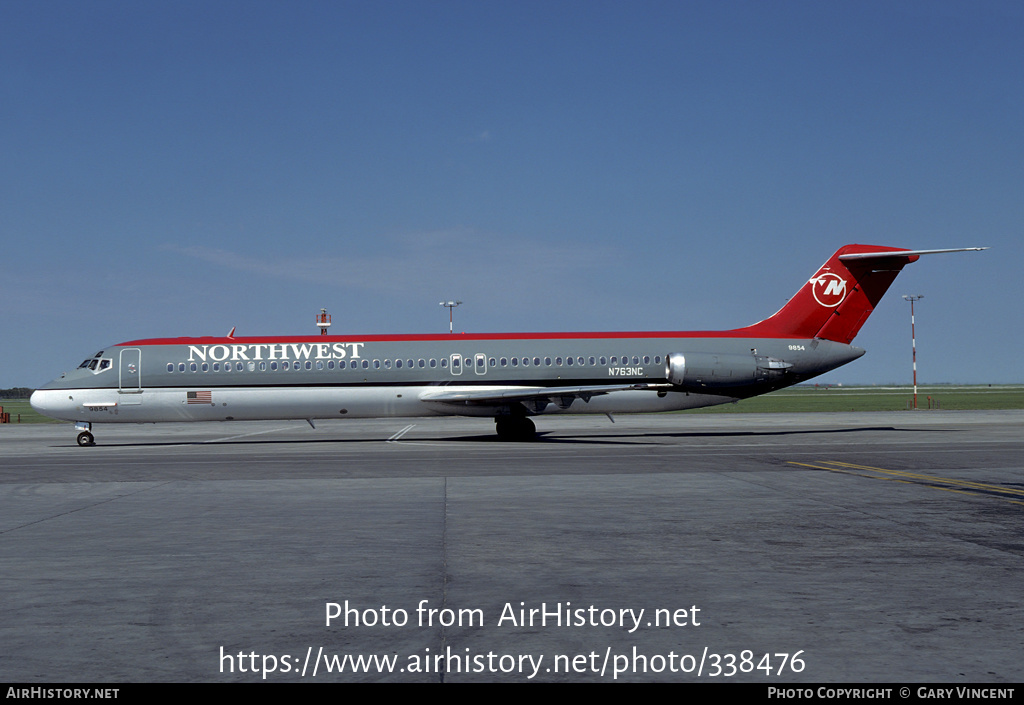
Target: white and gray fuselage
column 324, row 377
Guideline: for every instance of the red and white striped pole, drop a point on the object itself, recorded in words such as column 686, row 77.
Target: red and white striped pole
column 913, row 339
column 450, row 305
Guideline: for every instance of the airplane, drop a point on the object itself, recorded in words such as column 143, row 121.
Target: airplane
column 509, row 377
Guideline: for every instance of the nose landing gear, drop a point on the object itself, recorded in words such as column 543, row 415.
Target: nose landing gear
column 85, row 438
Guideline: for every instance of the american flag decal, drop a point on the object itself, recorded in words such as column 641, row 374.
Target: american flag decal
column 199, row 397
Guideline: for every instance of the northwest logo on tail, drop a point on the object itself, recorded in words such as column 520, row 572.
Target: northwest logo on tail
column 829, row 289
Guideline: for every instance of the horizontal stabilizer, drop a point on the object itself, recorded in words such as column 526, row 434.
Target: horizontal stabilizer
column 905, row 253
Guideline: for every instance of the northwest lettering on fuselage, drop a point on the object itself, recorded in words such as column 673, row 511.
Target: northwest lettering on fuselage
column 274, row 351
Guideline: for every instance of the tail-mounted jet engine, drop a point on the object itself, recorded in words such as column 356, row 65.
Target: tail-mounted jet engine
column 710, row 370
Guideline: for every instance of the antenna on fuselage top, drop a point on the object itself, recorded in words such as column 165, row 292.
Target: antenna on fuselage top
column 232, row 333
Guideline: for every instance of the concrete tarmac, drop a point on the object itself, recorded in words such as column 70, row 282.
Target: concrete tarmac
column 776, row 548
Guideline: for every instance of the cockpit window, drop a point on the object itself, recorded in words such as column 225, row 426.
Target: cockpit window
column 96, row 365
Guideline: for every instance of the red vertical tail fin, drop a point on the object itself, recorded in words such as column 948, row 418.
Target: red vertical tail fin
column 838, row 299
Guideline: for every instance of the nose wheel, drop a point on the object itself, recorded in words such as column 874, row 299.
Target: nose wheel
column 85, row 438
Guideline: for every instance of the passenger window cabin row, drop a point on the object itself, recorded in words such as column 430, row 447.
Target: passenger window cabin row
column 478, row 362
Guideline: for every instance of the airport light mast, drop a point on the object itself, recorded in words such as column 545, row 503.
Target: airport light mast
column 450, row 305
column 913, row 339
column 323, row 321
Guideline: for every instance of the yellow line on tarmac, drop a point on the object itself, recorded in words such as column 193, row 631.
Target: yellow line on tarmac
column 980, row 489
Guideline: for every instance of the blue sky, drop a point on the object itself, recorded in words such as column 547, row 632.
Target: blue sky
column 182, row 168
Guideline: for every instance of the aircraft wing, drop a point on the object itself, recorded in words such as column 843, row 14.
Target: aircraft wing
column 561, row 396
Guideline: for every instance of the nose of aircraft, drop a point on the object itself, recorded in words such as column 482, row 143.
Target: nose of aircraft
column 37, row 402
column 54, row 403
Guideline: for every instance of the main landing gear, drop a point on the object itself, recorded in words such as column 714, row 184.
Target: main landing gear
column 85, row 438
column 515, row 428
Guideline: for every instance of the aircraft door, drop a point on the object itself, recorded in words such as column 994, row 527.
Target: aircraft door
column 481, row 364
column 129, row 376
column 455, row 364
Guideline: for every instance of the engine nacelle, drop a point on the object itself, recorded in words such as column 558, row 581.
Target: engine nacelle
column 703, row 370
column 712, row 370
